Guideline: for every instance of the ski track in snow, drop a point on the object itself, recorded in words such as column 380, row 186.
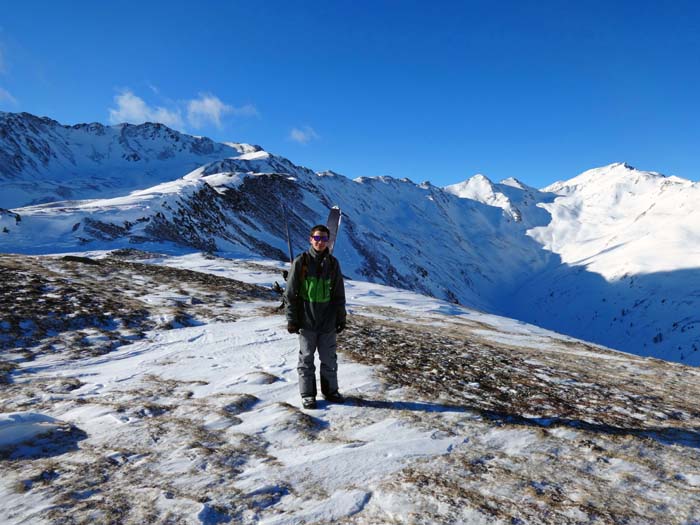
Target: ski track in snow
column 235, row 384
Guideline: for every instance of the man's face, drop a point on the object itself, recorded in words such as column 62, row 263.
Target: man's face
column 319, row 240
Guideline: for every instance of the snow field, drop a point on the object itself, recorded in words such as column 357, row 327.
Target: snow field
column 203, row 424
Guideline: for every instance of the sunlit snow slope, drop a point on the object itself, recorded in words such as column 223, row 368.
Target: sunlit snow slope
column 629, row 243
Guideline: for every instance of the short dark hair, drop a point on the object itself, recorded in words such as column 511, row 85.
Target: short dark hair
column 320, row 228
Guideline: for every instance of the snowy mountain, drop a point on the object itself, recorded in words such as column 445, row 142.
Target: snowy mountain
column 139, row 388
column 235, row 206
column 608, row 256
column 629, row 271
column 44, row 161
column 511, row 195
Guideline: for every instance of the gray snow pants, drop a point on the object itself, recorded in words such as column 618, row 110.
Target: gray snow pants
column 309, row 342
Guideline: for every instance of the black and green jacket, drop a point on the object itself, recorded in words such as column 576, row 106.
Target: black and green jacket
column 315, row 294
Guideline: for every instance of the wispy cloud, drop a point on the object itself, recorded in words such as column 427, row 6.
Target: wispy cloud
column 133, row 109
column 206, row 110
column 6, row 97
column 303, row 135
column 2, row 61
column 209, row 109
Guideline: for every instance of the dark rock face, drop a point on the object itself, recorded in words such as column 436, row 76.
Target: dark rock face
column 7, row 213
column 8, row 219
column 103, row 230
column 208, row 218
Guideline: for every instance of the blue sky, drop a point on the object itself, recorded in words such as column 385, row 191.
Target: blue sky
column 438, row 91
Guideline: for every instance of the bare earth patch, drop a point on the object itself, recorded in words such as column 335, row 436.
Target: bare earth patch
column 87, row 307
column 563, row 434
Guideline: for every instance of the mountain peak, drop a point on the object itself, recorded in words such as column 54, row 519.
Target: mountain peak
column 474, row 186
column 329, row 173
column 24, row 120
column 623, row 165
column 480, row 177
column 480, row 188
column 610, row 174
column 515, row 183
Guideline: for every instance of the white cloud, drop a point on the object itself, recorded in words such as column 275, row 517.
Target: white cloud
column 209, row 109
column 199, row 112
column 134, row 110
column 6, row 96
column 2, row 62
column 303, row 135
column 206, row 109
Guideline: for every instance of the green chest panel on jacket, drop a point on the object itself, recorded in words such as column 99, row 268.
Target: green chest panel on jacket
column 316, row 290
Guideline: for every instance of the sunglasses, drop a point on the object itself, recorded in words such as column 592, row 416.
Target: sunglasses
column 319, row 238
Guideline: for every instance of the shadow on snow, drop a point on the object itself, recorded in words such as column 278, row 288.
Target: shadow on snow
column 664, row 435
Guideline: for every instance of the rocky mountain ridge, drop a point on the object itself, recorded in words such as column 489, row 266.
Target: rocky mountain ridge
column 42, row 160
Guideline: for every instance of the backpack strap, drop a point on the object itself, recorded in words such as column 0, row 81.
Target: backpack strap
column 302, row 277
column 304, row 266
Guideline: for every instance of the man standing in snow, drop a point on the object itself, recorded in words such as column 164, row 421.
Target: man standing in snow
column 315, row 309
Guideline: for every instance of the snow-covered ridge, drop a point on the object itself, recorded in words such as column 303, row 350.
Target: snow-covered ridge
column 511, row 195
column 614, row 210
column 480, row 188
column 614, row 175
column 42, row 160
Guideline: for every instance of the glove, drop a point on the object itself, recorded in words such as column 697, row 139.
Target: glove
column 292, row 328
column 340, row 327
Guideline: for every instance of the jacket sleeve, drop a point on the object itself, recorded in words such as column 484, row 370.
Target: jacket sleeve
column 291, row 293
column 339, row 295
